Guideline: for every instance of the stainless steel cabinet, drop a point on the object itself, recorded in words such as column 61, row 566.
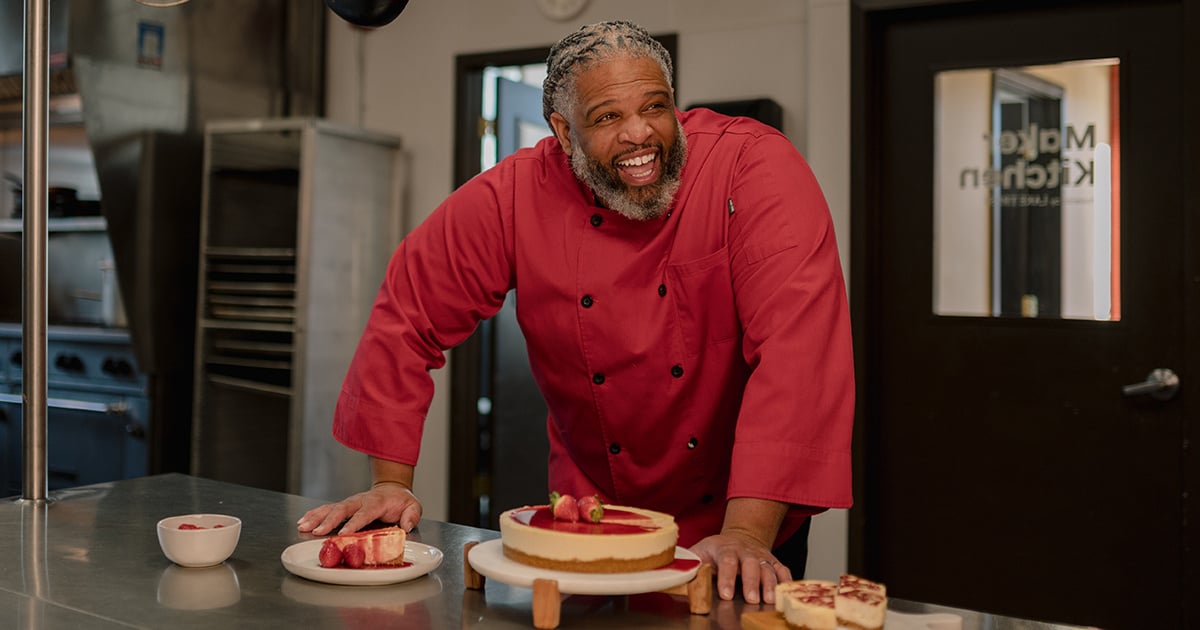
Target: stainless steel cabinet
column 298, row 221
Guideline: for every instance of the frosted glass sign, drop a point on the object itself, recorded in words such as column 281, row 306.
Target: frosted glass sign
column 1025, row 219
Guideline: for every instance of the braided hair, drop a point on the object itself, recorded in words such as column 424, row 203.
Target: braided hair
column 590, row 45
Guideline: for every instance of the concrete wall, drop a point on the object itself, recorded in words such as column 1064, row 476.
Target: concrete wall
column 400, row 79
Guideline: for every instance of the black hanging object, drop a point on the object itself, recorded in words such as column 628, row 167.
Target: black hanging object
column 369, row 13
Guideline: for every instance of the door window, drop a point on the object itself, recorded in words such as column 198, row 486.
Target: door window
column 1026, row 176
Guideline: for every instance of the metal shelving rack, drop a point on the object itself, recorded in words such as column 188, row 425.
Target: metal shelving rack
column 299, row 217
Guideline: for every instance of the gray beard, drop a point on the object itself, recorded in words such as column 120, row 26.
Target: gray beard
column 640, row 204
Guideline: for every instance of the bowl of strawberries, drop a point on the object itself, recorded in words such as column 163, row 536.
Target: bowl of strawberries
column 199, row 540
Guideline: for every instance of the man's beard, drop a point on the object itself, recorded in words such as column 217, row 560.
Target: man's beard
column 641, row 203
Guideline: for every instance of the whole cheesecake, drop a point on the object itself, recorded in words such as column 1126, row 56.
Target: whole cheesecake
column 626, row 539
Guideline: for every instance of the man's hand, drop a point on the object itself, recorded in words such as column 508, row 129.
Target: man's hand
column 744, row 547
column 390, row 500
column 732, row 554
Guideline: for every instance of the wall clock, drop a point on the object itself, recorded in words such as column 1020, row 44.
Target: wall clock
column 561, row 10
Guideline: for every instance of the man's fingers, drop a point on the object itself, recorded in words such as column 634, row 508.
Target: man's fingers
column 753, row 570
column 727, row 571
column 768, row 579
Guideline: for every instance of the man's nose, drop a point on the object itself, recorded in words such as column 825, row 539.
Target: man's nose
column 635, row 130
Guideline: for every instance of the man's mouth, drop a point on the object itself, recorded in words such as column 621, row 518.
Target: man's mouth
column 639, row 169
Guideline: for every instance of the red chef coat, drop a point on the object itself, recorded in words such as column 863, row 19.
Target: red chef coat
column 686, row 360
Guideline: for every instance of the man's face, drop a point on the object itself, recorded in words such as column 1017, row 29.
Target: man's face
column 623, row 138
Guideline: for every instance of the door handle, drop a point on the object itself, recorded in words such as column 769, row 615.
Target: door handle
column 1161, row 384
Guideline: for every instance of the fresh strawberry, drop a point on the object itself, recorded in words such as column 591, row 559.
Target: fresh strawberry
column 563, row 507
column 330, row 555
column 591, row 509
column 354, row 556
column 189, row 526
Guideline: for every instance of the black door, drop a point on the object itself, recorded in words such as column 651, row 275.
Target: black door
column 517, row 444
column 1004, row 300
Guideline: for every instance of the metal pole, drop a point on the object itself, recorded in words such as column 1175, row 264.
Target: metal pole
column 35, row 140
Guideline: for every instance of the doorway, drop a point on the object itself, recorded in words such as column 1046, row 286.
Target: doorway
column 1024, row 265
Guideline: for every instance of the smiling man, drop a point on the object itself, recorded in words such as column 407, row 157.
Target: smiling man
column 679, row 289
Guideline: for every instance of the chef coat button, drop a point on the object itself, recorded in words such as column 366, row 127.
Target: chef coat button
column 587, row 301
column 598, row 378
column 708, row 498
column 662, row 290
column 614, row 448
column 676, row 371
column 597, row 220
column 693, row 442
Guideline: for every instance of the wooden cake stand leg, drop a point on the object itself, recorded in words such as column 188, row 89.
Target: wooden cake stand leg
column 472, row 579
column 547, row 604
column 698, row 591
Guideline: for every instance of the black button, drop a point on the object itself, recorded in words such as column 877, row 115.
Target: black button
column 598, row 378
column 614, row 448
column 676, row 371
column 708, row 498
column 597, row 220
column 662, row 290
column 586, row 301
column 693, row 442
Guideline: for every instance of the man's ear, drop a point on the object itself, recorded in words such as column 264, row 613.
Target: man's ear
column 562, row 131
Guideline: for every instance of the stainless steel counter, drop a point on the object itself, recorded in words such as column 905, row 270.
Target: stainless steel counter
column 90, row 559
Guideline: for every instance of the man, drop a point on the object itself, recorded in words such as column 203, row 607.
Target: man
column 679, row 289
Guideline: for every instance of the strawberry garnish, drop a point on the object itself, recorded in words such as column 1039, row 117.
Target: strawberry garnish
column 354, row 555
column 591, row 509
column 330, row 555
column 564, row 507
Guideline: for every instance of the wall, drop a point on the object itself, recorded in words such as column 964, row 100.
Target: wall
column 399, row 79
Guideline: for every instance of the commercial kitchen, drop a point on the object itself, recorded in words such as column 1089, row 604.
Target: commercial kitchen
column 226, row 181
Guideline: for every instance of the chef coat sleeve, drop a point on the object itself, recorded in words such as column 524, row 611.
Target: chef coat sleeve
column 449, row 274
column 792, row 441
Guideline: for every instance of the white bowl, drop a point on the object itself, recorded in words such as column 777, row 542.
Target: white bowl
column 203, row 547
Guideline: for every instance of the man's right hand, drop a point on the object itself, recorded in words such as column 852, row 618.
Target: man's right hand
column 388, row 501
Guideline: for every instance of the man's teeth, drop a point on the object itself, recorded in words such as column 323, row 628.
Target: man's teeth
column 637, row 161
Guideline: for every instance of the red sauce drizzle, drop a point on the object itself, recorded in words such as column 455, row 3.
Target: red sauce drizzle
column 373, row 567
column 683, row 564
column 614, row 522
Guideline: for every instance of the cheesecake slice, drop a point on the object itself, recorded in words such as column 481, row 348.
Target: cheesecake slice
column 368, row 548
column 807, row 604
column 860, row 603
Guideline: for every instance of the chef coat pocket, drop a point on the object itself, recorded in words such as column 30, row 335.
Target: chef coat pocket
column 703, row 298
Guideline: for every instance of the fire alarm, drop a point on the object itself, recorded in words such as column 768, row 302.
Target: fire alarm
column 561, row 10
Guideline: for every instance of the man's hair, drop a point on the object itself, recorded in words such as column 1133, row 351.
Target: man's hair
column 590, row 45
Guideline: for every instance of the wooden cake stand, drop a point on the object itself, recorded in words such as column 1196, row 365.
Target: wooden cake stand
column 547, row 600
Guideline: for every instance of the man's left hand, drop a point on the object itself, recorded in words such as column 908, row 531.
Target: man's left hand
column 733, row 553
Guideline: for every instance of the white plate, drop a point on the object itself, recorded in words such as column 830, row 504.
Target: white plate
column 488, row 559
column 301, row 559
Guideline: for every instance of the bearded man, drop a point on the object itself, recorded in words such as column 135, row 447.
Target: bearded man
column 679, row 289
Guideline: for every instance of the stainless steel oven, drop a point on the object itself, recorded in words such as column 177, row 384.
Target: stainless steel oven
column 97, row 408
